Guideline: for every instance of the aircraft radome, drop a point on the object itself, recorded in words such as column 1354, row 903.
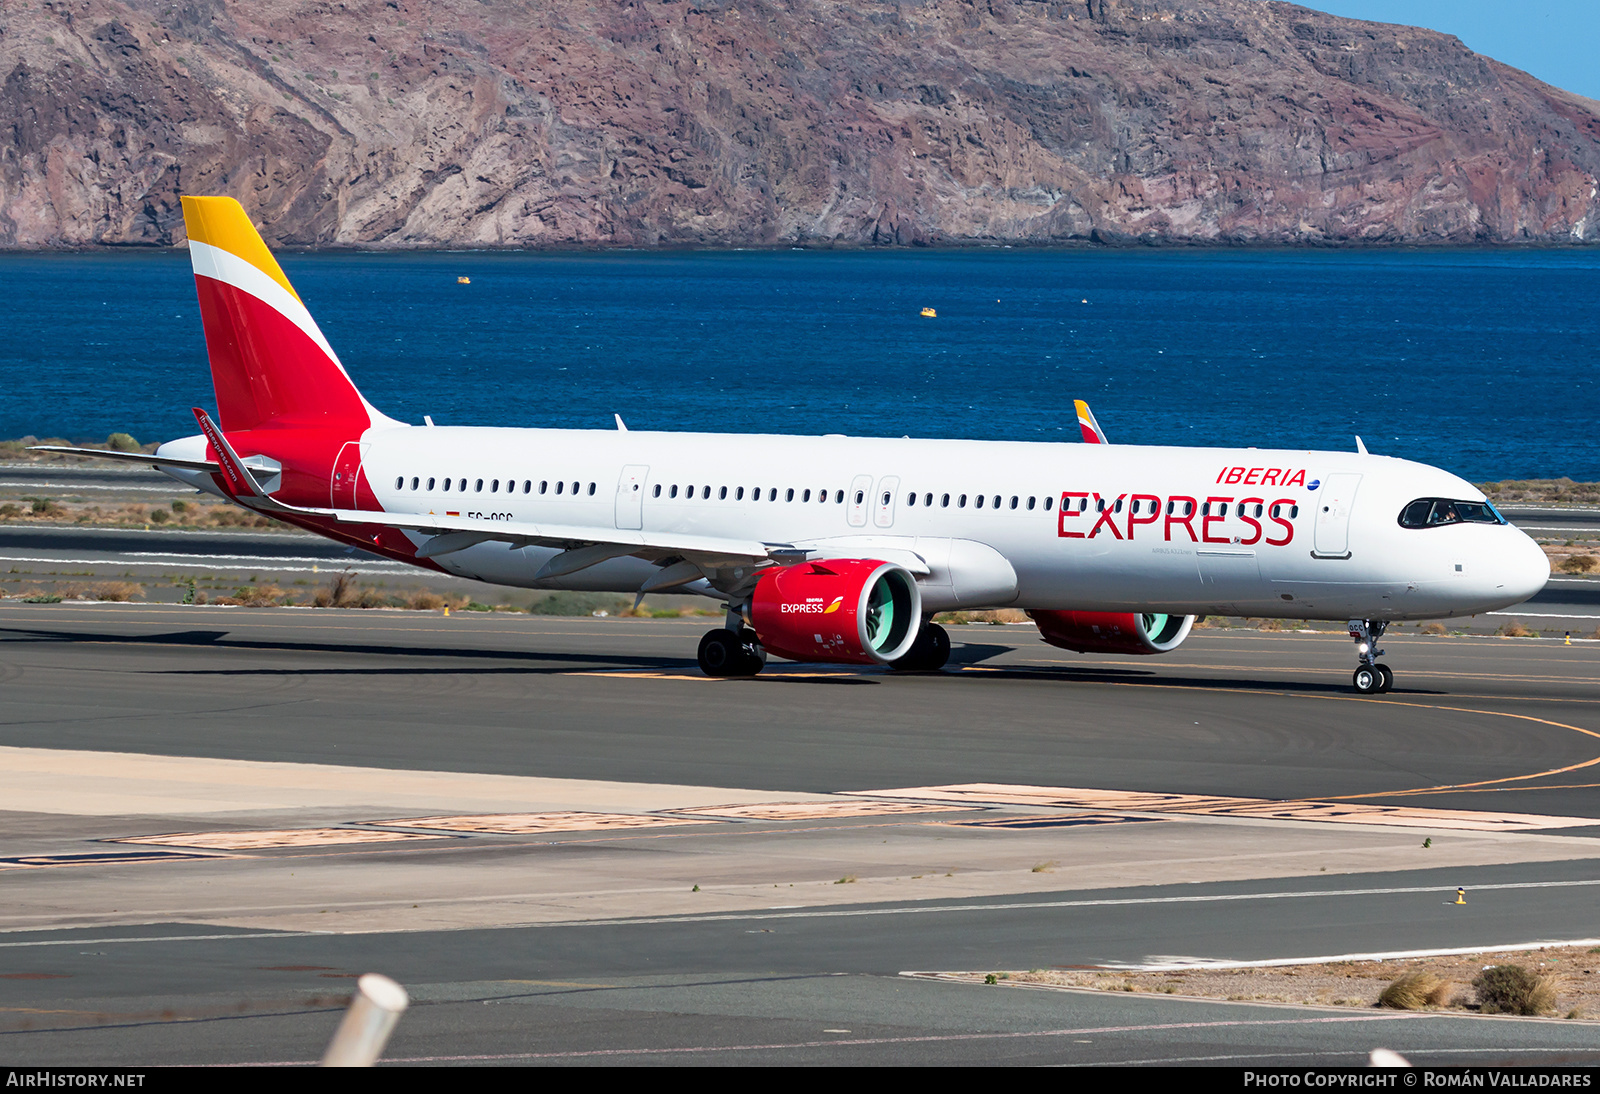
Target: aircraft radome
column 831, row 548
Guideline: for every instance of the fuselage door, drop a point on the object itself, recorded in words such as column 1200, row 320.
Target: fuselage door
column 859, row 501
column 883, row 501
column 346, row 470
column 630, row 496
column 1333, row 504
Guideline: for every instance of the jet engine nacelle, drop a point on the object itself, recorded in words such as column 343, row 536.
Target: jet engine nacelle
column 1113, row 632
column 851, row 611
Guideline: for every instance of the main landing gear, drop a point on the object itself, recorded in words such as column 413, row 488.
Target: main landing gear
column 1371, row 677
column 928, row 653
column 733, row 650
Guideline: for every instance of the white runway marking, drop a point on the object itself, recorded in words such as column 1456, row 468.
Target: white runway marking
column 241, row 562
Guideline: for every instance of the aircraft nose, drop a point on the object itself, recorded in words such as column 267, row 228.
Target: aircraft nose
column 1525, row 570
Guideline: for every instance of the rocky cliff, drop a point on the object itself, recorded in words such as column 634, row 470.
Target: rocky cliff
column 417, row 123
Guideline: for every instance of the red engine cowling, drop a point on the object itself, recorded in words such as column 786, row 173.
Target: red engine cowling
column 1113, row 632
column 849, row 611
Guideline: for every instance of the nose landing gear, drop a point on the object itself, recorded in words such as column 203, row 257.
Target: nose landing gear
column 1371, row 677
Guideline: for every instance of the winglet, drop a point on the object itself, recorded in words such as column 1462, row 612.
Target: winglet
column 1361, row 448
column 239, row 480
column 621, row 427
column 1092, row 433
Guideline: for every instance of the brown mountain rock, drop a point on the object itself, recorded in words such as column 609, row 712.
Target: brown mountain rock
column 423, row 123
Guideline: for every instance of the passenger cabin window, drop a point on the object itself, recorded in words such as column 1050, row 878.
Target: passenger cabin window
column 657, row 492
column 1048, row 502
column 961, row 502
column 545, row 485
column 977, row 502
column 944, row 502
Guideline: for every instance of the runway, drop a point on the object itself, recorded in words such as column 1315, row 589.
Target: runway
column 571, row 847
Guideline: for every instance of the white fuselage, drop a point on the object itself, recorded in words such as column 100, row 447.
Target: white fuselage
column 1333, row 551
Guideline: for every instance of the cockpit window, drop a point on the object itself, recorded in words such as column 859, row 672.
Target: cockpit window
column 1432, row 512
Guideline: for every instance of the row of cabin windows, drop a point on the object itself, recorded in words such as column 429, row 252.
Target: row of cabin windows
column 755, row 493
column 460, row 485
column 978, row 501
column 1071, row 505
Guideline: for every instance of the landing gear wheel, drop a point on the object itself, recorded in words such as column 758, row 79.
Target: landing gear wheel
column 723, row 653
column 928, row 653
column 1368, row 680
column 1388, row 677
column 719, row 653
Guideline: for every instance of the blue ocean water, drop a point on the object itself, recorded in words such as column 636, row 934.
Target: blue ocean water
column 1483, row 362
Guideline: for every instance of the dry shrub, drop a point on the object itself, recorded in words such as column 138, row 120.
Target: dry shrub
column 1269, row 624
column 258, row 596
column 344, row 591
column 1514, row 629
column 1580, row 564
column 1435, row 628
column 1514, row 989
column 997, row 616
column 118, row 591
column 424, row 601
column 1415, row 990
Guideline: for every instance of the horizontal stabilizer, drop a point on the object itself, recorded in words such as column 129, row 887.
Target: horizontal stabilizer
column 141, row 458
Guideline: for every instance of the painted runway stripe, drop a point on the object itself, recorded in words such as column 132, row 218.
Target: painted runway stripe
column 70, row 487
column 162, row 938
column 132, row 557
column 362, row 566
column 1545, row 615
column 1172, row 963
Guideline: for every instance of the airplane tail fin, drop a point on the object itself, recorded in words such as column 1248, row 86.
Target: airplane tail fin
column 270, row 364
column 1092, row 433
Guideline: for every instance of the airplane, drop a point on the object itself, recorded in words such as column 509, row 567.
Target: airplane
column 830, row 548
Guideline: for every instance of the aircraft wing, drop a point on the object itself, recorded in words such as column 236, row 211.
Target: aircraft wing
column 455, row 533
